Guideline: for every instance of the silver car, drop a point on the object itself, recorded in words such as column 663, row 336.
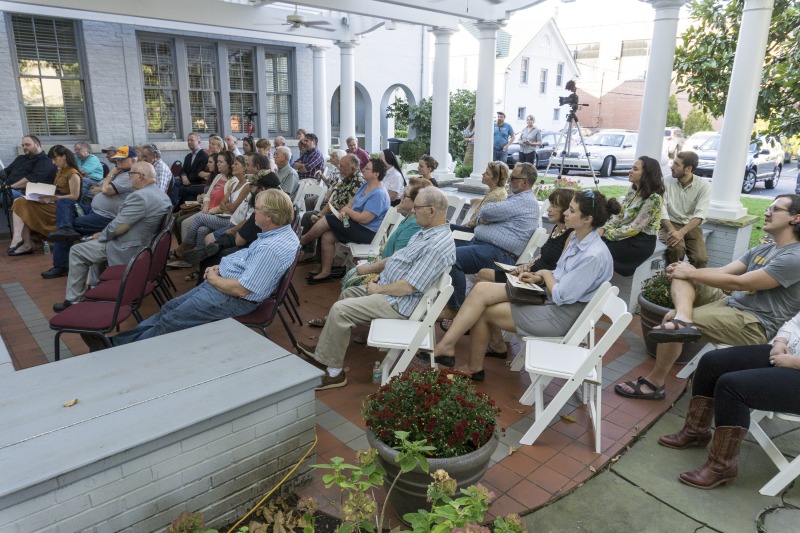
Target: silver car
column 609, row 150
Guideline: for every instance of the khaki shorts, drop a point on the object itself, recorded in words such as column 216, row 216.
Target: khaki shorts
column 721, row 323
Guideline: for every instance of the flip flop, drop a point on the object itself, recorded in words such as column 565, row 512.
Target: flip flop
column 317, row 322
column 316, row 281
column 637, row 394
column 687, row 333
column 15, row 253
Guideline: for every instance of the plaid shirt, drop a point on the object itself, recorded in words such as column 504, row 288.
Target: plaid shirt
column 313, row 160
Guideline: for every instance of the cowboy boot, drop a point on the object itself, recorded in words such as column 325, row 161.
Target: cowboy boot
column 723, row 460
column 697, row 427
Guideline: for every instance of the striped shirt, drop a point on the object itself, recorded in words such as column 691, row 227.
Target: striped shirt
column 509, row 225
column 259, row 268
column 420, row 263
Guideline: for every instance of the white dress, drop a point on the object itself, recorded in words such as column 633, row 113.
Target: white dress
column 393, row 181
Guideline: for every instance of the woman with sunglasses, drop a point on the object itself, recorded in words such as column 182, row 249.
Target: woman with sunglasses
column 582, row 268
column 631, row 238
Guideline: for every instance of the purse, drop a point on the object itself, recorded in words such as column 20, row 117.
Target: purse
column 523, row 296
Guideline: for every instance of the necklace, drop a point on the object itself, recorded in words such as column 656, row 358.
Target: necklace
column 556, row 233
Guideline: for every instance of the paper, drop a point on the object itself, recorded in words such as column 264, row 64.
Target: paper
column 35, row 191
column 504, row 267
column 515, row 282
column 463, row 235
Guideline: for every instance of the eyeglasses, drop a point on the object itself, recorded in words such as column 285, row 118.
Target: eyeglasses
column 416, row 206
column 134, row 173
column 773, row 208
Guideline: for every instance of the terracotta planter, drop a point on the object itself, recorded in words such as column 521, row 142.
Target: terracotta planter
column 651, row 315
column 410, row 493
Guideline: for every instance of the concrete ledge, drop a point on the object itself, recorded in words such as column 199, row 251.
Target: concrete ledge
column 203, row 420
column 6, row 366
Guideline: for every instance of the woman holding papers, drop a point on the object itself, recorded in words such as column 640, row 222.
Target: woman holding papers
column 495, row 177
column 39, row 215
column 583, row 267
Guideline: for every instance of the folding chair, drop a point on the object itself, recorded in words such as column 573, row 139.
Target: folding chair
column 343, row 250
column 98, row 318
column 545, row 360
column 579, row 330
column 457, row 204
column 788, row 470
column 306, row 187
column 371, row 250
column 403, row 338
column 261, row 318
column 536, row 241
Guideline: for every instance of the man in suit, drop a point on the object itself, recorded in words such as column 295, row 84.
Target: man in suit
column 191, row 182
column 134, row 227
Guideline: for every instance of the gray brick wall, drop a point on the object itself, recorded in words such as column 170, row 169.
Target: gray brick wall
column 11, row 133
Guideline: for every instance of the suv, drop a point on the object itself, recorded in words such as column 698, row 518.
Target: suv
column 673, row 140
column 764, row 162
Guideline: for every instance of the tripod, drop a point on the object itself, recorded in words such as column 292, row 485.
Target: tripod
column 572, row 122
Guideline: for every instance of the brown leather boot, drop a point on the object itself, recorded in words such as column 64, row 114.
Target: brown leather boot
column 723, row 460
column 697, row 427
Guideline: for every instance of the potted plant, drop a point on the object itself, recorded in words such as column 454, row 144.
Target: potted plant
column 455, row 421
column 654, row 303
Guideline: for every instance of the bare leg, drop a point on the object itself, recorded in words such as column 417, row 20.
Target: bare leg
column 16, row 239
column 316, row 231
column 480, row 297
column 496, row 341
column 209, row 239
column 327, row 253
column 485, row 274
column 26, row 236
column 494, row 316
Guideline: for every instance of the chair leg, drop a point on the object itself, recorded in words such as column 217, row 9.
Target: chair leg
column 169, row 281
column 137, row 316
column 57, row 355
column 294, row 294
column 286, row 327
column 291, row 309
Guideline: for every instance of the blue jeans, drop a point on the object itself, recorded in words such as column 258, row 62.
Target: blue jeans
column 15, row 193
column 66, row 217
column 471, row 257
column 499, row 155
column 199, row 306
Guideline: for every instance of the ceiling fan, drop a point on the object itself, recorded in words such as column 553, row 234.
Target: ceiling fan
column 296, row 20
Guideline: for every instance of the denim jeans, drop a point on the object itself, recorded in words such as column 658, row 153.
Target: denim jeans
column 201, row 305
column 471, row 257
column 499, row 155
column 66, row 217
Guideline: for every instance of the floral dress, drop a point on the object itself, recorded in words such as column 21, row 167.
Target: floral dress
column 631, row 237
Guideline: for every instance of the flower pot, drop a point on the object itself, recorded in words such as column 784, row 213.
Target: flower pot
column 651, row 315
column 410, row 492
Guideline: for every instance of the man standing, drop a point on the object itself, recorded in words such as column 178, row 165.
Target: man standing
column 150, row 153
column 139, row 218
column 194, row 164
column 503, row 137
column 231, row 144
column 33, row 166
column 356, row 150
column 106, row 203
column 404, row 278
column 311, row 159
column 287, row 175
column 686, row 201
column 237, row 285
column 764, row 287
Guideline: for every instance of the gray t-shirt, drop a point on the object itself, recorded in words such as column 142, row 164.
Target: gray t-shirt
column 772, row 307
column 108, row 206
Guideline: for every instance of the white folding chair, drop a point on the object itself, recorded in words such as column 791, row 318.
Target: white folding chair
column 457, row 204
column 788, row 470
column 306, row 187
column 579, row 330
column 360, row 251
column 411, row 168
column 343, row 250
column 689, row 368
column 403, row 338
column 577, row 365
column 468, row 214
column 536, row 241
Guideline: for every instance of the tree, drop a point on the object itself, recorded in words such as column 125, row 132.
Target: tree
column 704, row 61
column 674, row 118
column 696, row 121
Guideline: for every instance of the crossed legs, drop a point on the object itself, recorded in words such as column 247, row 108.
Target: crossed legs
column 328, row 241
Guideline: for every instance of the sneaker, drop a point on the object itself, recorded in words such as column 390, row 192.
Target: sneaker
column 65, row 234
column 306, row 350
column 333, row 383
column 195, row 255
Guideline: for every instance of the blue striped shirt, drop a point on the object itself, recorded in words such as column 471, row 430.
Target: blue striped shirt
column 582, row 268
column 420, row 263
column 259, row 268
column 509, row 224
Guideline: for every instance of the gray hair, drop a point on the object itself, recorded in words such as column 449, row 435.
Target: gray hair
column 434, row 197
column 351, row 139
column 528, row 171
column 355, row 164
column 153, row 149
column 85, row 145
column 285, row 151
column 338, row 154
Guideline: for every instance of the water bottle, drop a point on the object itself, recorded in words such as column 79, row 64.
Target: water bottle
column 345, row 221
column 174, row 137
column 46, row 248
column 79, row 210
column 376, row 372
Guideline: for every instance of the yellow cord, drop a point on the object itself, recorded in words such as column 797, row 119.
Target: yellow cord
column 289, row 473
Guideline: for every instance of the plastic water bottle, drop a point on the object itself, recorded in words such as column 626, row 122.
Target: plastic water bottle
column 346, row 221
column 174, row 137
column 79, row 210
column 376, row 372
column 46, row 248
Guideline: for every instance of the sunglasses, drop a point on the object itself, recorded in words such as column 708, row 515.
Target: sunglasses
column 590, row 194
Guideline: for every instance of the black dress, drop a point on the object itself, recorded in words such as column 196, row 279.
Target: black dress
column 550, row 253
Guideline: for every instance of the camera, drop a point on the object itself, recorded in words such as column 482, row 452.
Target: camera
column 250, row 114
column 571, row 100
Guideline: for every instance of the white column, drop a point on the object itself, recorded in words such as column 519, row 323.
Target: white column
column 740, row 111
column 322, row 127
column 440, row 113
column 347, row 91
column 484, row 105
column 659, row 73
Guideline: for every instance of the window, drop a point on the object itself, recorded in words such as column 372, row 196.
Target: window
column 203, row 92
column 543, row 81
column 521, row 113
column 587, row 56
column 241, row 71
column 633, row 59
column 524, row 65
column 50, row 76
column 279, row 97
column 557, row 113
column 160, row 93
column 559, row 74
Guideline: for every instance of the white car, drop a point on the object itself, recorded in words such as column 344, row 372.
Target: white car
column 696, row 139
column 609, row 150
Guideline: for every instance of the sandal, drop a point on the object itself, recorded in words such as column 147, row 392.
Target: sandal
column 497, row 355
column 683, row 332
column 638, row 394
column 317, row 322
column 192, row 277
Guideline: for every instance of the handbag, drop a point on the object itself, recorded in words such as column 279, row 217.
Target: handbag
column 522, row 296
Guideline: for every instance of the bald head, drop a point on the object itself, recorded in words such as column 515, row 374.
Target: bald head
column 142, row 174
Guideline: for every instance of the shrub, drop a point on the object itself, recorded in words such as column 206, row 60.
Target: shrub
column 656, row 290
column 412, row 150
column 463, row 171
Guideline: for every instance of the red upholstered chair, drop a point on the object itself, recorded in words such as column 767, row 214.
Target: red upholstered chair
column 98, row 318
column 265, row 313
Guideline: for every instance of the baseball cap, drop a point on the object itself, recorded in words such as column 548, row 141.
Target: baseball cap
column 125, row 152
column 111, row 148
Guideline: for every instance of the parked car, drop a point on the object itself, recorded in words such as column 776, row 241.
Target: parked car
column 764, row 162
column 609, row 150
column 696, row 139
column 673, row 140
column 543, row 153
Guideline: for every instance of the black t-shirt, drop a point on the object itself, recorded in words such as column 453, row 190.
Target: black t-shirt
column 249, row 231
